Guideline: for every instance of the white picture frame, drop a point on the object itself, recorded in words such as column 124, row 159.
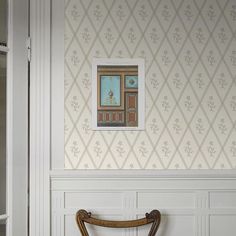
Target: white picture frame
column 123, row 106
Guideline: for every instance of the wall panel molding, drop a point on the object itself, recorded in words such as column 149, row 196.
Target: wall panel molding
column 189, row 203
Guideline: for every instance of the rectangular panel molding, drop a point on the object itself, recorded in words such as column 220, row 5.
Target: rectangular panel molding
column 191, row 204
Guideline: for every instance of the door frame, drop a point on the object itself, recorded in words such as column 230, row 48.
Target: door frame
column 40, row 28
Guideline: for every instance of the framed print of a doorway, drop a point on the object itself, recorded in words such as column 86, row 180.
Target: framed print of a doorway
column 118, row 99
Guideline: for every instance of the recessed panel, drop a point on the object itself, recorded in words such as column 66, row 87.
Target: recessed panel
column 110, row 90
column 223, row 225
column 93, row 200
column 173, row 225
column 166, row 200
column 131, row 81
column 223, row 199
column 71, row 228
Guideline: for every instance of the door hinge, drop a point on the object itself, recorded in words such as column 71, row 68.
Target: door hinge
column 28, row 46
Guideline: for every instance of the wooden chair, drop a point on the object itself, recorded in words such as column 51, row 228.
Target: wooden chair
column 83, row 217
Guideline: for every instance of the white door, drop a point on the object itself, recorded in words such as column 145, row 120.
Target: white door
column 13, row 117
column 3, row 111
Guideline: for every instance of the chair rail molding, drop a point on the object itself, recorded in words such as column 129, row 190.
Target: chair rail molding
column 123, row 174
column 40, row 117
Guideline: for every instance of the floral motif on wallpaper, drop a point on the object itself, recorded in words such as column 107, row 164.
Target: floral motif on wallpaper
column 190, row 63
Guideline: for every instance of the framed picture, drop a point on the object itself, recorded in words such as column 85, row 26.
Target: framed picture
column 118, row 98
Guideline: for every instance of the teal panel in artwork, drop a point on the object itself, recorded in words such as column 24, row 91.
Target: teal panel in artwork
column 131, row 81
column 110, row 90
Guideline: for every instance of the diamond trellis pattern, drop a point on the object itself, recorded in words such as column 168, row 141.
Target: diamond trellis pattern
column 131, row 35
column 177, row 126
column 120, row 149
column 120, row 13
column 189, row 47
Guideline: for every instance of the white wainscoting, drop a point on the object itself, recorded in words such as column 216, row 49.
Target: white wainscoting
column 191, row 203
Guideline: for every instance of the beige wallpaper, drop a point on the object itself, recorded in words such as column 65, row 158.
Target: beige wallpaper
column 189, row 48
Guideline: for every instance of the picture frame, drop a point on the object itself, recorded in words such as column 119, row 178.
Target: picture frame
column 118, row 94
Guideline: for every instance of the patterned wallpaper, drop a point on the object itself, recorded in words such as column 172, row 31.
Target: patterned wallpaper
column 189, row 48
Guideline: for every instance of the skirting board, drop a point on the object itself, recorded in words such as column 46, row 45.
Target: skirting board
column 191, row 203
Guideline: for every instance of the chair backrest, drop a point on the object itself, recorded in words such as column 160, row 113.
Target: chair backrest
column 153, row 217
